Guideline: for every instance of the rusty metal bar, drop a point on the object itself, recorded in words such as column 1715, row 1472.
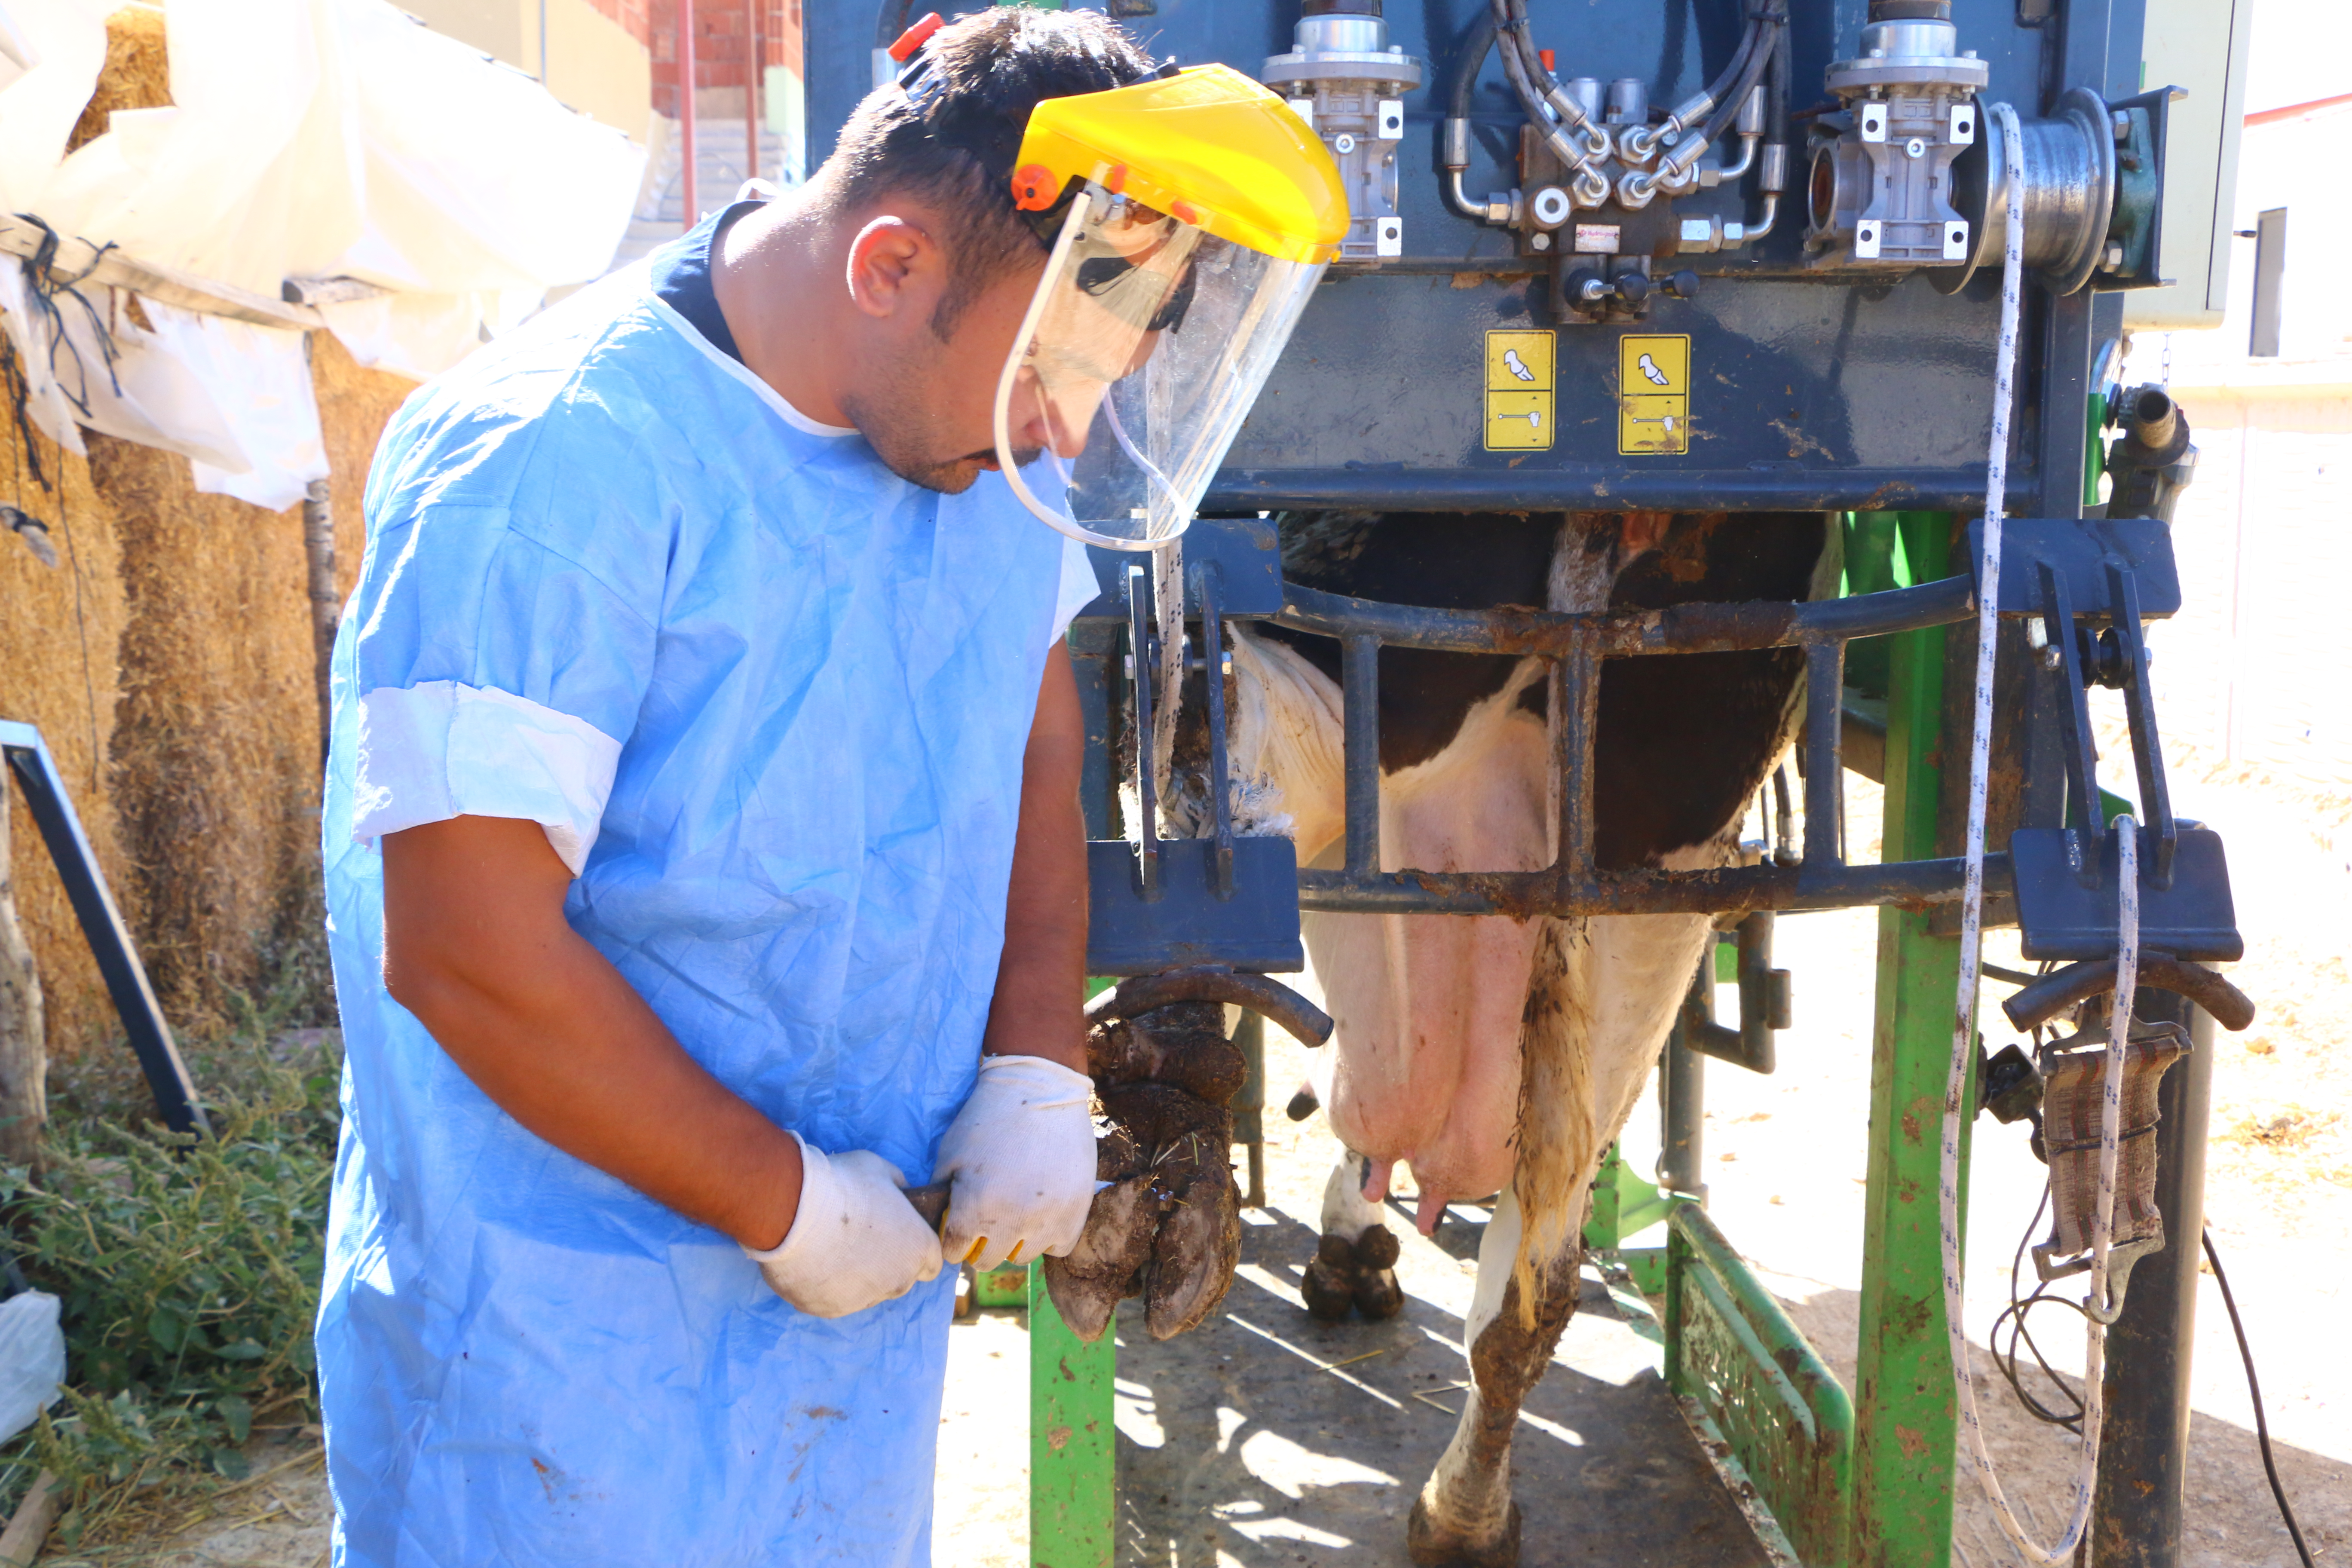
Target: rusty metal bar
column 1359, row 681
column 1907, row 883
column 1824, row 765
column 1623, row 634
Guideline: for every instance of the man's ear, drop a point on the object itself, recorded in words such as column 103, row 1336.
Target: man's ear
column 895, row 266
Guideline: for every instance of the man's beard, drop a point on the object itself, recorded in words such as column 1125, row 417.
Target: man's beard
column 902, row 435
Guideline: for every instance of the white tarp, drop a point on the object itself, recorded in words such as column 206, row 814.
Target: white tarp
column 305, row 139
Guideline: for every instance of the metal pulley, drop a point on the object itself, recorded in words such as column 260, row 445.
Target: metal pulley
column 1910, row 173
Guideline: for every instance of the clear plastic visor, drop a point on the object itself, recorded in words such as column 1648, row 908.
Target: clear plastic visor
column 1142, row 351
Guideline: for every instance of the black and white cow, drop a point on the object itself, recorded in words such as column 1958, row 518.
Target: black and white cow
column 1493, row 1054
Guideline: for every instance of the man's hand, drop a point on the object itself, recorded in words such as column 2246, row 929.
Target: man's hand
column 1022, row 1156
column 856, row 1242
column 476, row 945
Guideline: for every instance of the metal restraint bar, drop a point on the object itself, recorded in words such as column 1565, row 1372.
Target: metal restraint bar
column 2056, row 573
column 1575, row 643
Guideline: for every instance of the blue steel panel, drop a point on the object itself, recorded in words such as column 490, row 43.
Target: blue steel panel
column 1800, row 380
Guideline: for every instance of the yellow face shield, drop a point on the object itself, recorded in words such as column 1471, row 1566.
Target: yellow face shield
column 1187, row 246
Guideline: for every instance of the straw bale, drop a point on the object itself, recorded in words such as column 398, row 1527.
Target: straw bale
column 59, row 627
column 354, row 406
column 215, row 741
column 168, row 660
column 137, row 73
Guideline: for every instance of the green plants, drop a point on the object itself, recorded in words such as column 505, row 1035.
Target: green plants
column 188, row 1269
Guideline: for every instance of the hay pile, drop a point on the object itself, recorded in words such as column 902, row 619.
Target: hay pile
column 137, row 74
column 59, row 630
column 167, row 659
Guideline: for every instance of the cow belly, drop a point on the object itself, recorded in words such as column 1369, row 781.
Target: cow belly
column 1428, row 1008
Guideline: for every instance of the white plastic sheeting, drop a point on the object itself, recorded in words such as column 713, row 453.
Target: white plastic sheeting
column 306, row 139
column 32, row 1359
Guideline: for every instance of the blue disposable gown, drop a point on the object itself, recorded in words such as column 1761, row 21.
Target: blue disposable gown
column 770, row 702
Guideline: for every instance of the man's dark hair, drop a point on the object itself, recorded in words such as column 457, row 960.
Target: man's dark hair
column 955, row 151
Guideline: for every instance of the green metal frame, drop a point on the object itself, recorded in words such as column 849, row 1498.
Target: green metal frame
column 1905, row 1419
column 1865, row 1481
column 1073, row 1449
column 1773, row 1398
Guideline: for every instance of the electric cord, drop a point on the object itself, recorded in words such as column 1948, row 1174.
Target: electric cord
column 2013, row 1316
column 2013, row 1319
column 2254, row 1389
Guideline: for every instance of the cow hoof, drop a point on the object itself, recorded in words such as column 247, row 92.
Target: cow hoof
column 1433, row 1547
column 1358, row 1276
column 1330, row 1287
column 1378, row 1294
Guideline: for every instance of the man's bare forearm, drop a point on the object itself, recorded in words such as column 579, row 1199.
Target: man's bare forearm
column 476, row 946
column 1041, row 980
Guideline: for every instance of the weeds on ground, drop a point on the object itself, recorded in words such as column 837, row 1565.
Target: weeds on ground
column 188, row 1269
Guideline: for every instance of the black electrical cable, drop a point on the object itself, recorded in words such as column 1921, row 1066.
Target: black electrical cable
column 2014, row 1315
column 2254, row 1388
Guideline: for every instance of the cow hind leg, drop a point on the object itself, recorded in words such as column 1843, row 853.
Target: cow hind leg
column 1354, row 1269
column 1465, row 1517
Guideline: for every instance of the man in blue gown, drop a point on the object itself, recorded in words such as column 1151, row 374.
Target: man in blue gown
column 704, row 861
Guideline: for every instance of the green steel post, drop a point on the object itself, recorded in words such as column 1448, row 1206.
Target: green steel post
column 1904, row 1402
column 1072, row 1455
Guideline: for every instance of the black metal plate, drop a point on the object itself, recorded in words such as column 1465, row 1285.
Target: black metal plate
column 2081, row 551
column 43, row 788
column 1256, row 930
column 1248, row 558
column 2059, row 918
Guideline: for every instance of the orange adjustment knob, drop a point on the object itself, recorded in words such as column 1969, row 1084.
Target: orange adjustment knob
column 1033, row 187
column 916, row 36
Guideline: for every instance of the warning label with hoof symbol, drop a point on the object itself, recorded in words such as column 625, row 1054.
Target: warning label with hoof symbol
column 1652, row 395
column 1520, row 391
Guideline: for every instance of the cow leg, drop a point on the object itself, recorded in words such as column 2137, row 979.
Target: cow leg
column 1354, row 1267
column 1465, row 1517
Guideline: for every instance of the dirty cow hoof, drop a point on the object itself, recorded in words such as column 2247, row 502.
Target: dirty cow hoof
column 1360, row 1278
column 1378, row 1294
column 1330, row 1287
column 1431, row 1546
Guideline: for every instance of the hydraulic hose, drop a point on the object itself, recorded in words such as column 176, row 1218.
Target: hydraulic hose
column 1469, row 59
column 1574, row 138
column 1762, row 44
column 1639, row 141
column 1462, row 84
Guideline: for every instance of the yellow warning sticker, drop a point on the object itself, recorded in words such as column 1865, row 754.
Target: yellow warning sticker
column 1653, row 394
column 1517, row 420
column 1520, row 391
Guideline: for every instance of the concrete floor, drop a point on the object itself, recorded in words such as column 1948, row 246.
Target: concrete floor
column 1269, row 1438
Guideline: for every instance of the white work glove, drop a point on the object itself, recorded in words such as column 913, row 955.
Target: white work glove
column 1021, row 1154
column 856, row 1242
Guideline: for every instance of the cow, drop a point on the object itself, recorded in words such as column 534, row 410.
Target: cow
column 1495, row 1055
